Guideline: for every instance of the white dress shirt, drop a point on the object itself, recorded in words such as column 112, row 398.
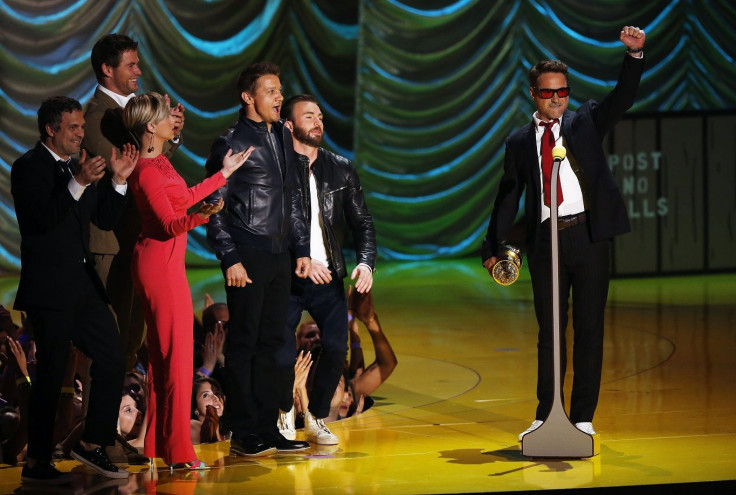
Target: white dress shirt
column 571, row 190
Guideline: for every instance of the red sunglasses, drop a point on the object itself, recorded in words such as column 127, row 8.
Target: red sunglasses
column 546, row 93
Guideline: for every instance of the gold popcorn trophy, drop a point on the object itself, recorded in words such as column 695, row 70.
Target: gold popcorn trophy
column 507, row 268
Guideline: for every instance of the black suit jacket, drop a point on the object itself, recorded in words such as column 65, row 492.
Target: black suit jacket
column 54, row 229
column 582, row 131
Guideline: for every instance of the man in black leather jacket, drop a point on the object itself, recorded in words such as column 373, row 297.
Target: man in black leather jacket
column 332, row 197
column 262, row 220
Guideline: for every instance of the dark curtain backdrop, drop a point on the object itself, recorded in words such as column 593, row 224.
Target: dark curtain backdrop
column 419, row 93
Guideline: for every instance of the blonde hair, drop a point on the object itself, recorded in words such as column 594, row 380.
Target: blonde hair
column 148, row 108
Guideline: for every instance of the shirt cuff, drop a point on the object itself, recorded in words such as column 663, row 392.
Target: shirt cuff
column 120, row 188
column 75, row 189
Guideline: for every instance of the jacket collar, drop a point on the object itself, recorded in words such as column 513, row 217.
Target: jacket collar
column 118, row 100
column 259, row 126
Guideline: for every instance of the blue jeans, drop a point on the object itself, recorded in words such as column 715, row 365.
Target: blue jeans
column 327, row 305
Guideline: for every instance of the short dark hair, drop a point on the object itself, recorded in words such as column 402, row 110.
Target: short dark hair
column 544, row 66
column 287, row 108
column 108, row 50
column 248, row 78
column 51, row 110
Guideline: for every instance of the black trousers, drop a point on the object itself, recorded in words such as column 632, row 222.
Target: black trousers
column 255, row 335
column 90, row 325
column 328, row 306
column 584, row 269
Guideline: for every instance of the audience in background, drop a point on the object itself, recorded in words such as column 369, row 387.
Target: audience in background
column 352, row 396
column 357, row 382
column 208, row 404
column 209, row 358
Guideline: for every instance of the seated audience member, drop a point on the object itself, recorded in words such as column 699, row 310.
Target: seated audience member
column 358, row 381
column 8, row 328
column 70, row 423
column 215, row 318
column 215, row 313
column 208, row 404
column 354, row 389
column 131, row 427
column 14, row 416
column 287, row 422
column 343, row 404
column 10, row 335
column 135, row 381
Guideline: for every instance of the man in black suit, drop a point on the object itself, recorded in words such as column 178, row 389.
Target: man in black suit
column 55, row 198
column 591, row 212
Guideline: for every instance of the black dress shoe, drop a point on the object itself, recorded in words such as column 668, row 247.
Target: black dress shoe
column 250, row 446
column 43, row 473
column 282, row 444
column 97, row 459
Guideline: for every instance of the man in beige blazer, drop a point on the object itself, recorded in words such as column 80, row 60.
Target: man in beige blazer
column 115, row 63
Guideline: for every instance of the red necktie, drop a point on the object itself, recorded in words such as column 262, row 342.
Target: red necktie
column 548, row 142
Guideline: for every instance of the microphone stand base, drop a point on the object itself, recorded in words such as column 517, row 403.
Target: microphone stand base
column 559, row 438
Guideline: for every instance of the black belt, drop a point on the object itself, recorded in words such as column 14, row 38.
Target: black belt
column 570, row 221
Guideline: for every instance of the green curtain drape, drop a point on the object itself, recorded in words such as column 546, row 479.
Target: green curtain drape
column 419, row 93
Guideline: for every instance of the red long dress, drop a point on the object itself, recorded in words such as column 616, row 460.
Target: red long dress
column 159, row 274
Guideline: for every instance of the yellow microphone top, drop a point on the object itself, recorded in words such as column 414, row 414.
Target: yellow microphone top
column 559, row 152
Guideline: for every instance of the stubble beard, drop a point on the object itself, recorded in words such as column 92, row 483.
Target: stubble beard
column 305, row 138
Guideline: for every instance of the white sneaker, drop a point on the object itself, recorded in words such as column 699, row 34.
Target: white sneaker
column 585, row 427
column 285, row 424
column 535, row 424
column 317, row 432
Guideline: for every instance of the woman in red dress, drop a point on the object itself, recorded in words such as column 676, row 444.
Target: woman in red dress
column 159, row 274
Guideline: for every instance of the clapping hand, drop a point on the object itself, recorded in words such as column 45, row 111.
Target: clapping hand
column 209, row 352
column 301, row 368
column 176, row 114
column 301, row 373
column 234, row 161
column 122, row 167
column 90, row 169
column 16, row 357
column 219, row 341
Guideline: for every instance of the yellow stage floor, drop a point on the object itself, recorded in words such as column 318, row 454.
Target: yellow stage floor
column 448, row 418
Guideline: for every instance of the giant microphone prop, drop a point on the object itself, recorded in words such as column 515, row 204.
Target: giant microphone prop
column 558, row 437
